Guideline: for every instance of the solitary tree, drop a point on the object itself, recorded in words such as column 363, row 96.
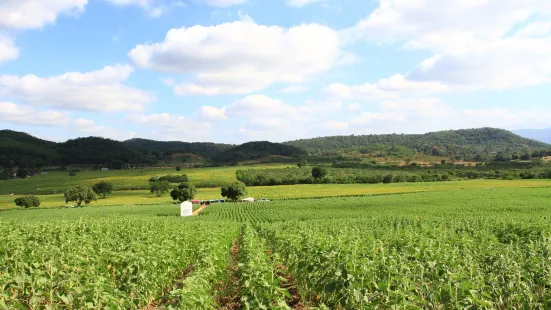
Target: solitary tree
column 184, row 191
column 318, row 172
column 234, row 191
column 178, row 168
column 302, row 163
column 27, row 202
column 22, row 173
column 103, row 188
column 159, row 187
column 80, row 194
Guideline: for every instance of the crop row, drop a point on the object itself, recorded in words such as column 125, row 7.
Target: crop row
column 115, row 262
column 413, row 263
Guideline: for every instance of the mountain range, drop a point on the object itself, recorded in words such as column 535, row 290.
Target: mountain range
column 22, row 149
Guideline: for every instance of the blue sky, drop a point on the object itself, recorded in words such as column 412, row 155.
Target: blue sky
column 243, row 70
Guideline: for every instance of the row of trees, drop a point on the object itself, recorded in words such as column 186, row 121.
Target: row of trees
column 187, row 191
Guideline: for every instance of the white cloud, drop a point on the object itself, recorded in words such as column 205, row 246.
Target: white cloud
column 21, row 14
column 168, row 127
column 295, row 89
column 100, row 90
column 260, row 105
column 354, row 107
column 241, row 57
column 335, row 126
column 301, row 3
column 8, row 51
column 154, row 8
column 18, row 115
column 208, row 113
column 429, row 114
column 224, row 3
column 490, row 44
column 89, row 127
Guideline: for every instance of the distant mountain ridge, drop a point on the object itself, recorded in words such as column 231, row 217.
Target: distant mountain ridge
column 19, row 148
column 543, row 135
column 440, row 143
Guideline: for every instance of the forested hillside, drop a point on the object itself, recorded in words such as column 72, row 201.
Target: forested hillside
column 162, row 149
column 466, row 144
column 259, row 149
column 19, row 149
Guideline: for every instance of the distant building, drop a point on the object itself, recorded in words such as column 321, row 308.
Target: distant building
column 104, row 169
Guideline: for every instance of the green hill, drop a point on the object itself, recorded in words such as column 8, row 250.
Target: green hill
column 162, row 149
column 466, row 143
column 258, row 149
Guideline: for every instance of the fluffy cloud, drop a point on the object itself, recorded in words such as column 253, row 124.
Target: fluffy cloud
column 492, row 44
column 89, row 127
column 208, row 113
column 429, row 114
column 241, row 57
column 224, row 3
column 100, row 90
column 260, row 106
column 21, row 14
column 168, row 127
column 18, row 115
column 8, row 51
column 155, row 8
column 301, row 3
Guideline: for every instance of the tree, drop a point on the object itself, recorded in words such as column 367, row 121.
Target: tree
column 185, row 191
column 72, row 174
column 319, row 172
column 302, row 163
column 178, row 168
column 234, row 191
column 80, row 194
column 103, row 188
column 27, row 201
column 159, row 187
column 22, row 173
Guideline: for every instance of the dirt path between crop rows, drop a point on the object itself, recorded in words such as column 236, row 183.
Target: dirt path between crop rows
column 228, row 291
column 165, row 300
column 294, row 301
column 196, row 212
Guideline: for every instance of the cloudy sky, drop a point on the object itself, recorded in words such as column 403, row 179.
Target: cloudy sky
column 242, row 70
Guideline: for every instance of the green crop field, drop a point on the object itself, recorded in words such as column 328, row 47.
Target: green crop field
column 460, row 246
column 143, row 197
column 123, row 179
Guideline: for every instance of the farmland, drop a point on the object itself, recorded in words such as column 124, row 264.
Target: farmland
column 122, row 179
column 444, row 248
column 143, row 197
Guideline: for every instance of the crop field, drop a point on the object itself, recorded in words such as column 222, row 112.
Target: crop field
column 143, row 197
column 473, row 248
column 123, row 179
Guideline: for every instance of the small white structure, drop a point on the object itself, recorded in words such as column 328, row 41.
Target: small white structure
column 250, row 199
column 186, row 209
column 104, row 169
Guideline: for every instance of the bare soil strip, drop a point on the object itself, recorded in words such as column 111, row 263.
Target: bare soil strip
column 196, row 212
column 165, row 300
column 228, row 292
column 295, row 300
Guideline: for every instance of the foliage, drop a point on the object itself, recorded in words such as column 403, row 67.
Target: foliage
column 80, row 194
column 178, row 168
column 255, row 150
column 302, row 163
column 171, row 178
column 466, row 144
column 159, row 187
column 234, row 191
column 27, row 201
column 375, row 175
column 185, row 191
column 103, row 188
column 319, row 172
column 22, row 173
column 72, row 174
